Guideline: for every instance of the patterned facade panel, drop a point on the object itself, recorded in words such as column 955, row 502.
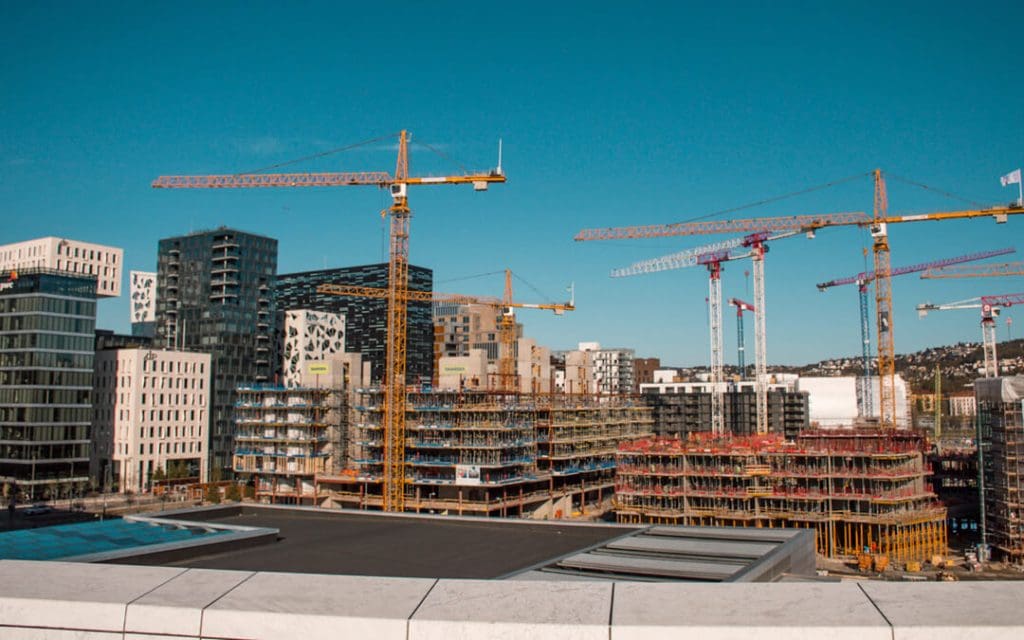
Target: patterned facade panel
column 309, row 336
column 143, row 303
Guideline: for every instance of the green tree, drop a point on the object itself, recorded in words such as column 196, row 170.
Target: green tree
column 159, row 475
column 213, row 494
column 233, row 493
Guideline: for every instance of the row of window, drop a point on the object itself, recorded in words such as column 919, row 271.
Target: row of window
column 37, row 322
column 165, row 432
column 30, row 359
column 39, row 433
column 30, row 451
column 59, row 415
column 56, row 395
column 41, row 304
column 45, row 378
column 165, row 447
column 46, row 341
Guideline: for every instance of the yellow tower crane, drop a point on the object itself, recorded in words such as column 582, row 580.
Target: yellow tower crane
column 398, row 274
column 507, row 376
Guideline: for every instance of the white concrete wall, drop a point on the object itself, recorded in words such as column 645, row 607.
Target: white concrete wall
column 831, row 402
column 90, row 601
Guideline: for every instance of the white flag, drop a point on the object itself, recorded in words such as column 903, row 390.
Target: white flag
column 1011, row 178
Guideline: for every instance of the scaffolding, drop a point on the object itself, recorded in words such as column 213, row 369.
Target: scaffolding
column 285, row 437
column 493, row 453
column 859, row 490
column 1001, row 422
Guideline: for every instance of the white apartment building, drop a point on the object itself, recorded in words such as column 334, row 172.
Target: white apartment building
column 73, row 256
column 151, row 411
column 591, row 369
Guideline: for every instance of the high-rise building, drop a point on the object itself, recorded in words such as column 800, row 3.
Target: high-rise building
column 151, row 417
column 62, row 254
column 47, row 324
column 366, row 321
column 215, row 295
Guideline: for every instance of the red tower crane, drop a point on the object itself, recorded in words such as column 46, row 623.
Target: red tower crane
column 877, row 224
column 990, row 306
column 863, row 280
column 741, row 306
column 712, row 256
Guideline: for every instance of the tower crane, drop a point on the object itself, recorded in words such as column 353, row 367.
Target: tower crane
column 976, row 271
column 741, row 306
column 398, row 274
column 507, row 377
column 877, row 224
column 863, row 281
column 990, row 307
column 712, row 256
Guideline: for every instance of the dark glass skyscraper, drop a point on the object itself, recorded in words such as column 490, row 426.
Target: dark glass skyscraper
column 366, row 321
column 215, row 295
column 47, row 325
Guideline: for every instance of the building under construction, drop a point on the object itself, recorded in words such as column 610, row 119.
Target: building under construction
column 1001, row 421
column 493, row 454
column 858, row 489
column 285, row 437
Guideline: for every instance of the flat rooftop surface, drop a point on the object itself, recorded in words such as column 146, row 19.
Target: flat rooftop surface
column 340, row 542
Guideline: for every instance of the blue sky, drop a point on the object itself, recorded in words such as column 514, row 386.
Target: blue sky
column 611, row 114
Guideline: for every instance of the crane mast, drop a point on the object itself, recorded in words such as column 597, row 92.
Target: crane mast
column 760, row 338
column 398, row 293
column 741, row 306
column 715, row 322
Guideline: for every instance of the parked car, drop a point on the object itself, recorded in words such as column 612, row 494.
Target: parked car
column 38, row 510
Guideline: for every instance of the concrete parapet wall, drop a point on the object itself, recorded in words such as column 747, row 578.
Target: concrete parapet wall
column 71, row 600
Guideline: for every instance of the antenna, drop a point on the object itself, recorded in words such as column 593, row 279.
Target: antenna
column 499, row 158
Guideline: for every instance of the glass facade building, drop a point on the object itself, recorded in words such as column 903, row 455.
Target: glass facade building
column 47, row 331
column 366, row 320
column 214, row 294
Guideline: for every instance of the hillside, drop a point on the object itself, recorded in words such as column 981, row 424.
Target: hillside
column 960, row 364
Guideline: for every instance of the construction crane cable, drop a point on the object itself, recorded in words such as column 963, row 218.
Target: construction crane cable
column 443, row 155
column 479, row 275
column 952, row 196
column 319, row 155
column 535, row 289
column 786, row 196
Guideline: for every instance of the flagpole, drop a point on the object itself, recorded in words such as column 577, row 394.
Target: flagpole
column 1020, row 191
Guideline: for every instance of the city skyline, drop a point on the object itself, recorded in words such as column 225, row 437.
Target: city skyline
column 628, row 117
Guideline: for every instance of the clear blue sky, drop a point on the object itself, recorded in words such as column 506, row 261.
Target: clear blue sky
column 611, row 114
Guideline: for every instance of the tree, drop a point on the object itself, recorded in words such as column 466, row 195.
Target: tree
column 213, row 494
column 159, row 475
column 233, row 493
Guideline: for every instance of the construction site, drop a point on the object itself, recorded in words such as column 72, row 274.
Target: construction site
column 859, row 490
column 492, row 453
